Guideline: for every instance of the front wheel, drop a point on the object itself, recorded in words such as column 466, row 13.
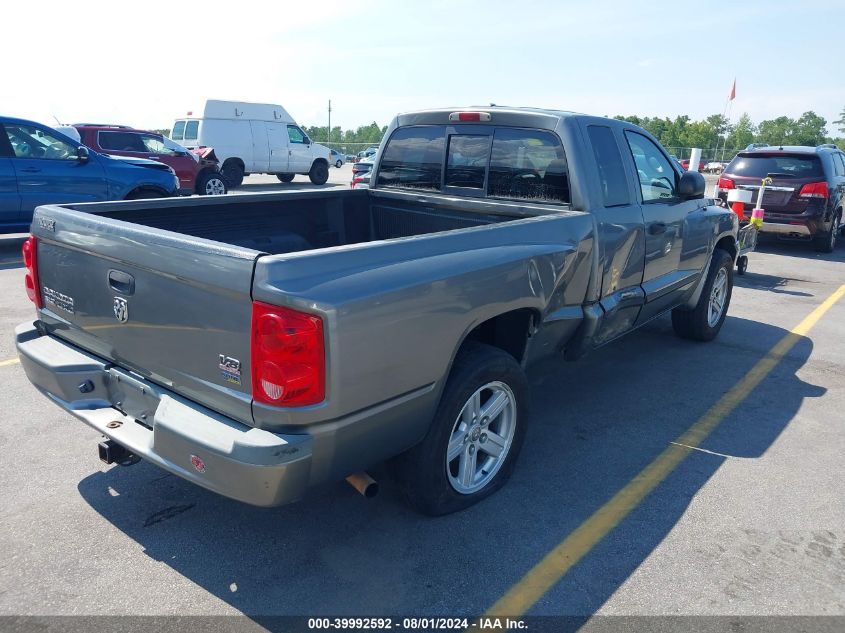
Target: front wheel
column 338, row 164
column 741, row 264
column 233, row 172
column 475, row 437
column 704, row 321
column 319, row 173
column 211, row 184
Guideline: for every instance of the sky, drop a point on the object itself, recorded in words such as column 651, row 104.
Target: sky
column 146, row 63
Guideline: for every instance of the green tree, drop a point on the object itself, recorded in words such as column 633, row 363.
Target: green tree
column 777, row 131
column 742, row 133
column 810, row 129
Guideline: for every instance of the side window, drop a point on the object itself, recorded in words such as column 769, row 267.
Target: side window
column 32, row 142
column 657, row 178
column 295, row 134
column 413, row 158
column 192, row 129
column 466, row 162
column 121, row 141
column 609, row 161
column 528, row 165
column 839, row 162
column 178, row 132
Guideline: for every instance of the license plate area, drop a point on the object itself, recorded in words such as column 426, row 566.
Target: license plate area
column 132, row 396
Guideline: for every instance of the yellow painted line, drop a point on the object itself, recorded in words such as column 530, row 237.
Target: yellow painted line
column 545, row 574
column 11, row 361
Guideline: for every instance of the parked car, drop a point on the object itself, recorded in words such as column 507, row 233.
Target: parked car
column 361, row 181
column 39, row 165
column 363, row 166
column 714, row 166
column 338, row 158
column 806, row 197
column 253, row 138
column 685, row 164
column 756, row 145
column 198, row 172
column 351, row 327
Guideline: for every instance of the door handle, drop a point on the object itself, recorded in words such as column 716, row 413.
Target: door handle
column 656, row 228
column 121, row 282
column 30, row 170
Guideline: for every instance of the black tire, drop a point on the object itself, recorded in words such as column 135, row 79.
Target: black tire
column 695, row 324
column 741, row 264
column 285, row 177
column 211, row 183
column 319, row 173
column 422, row 471
column 145, row 194
column 339, row 164
column 825, row 242
column 233, row 172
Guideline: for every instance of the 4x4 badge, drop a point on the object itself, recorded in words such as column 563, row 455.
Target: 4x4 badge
column 121, row 309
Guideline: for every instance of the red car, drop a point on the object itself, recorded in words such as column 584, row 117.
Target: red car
column 198, row 171
column 685, row 165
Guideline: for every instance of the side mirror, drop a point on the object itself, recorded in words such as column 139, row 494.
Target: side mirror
column 82, row 154
column 306, row 140
column 691, row 185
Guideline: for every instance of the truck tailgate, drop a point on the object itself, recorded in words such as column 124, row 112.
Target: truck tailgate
column 173, row 309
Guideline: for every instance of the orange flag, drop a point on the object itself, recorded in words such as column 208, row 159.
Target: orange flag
column 733, row 92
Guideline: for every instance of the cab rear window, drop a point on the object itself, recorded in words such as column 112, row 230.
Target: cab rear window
column 178, row 131
column 783, row 165
column 511, row 163
column 413, row 158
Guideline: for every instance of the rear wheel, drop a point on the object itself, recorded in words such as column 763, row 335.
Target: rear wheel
column 233, row 172
column 338, row 164
column 704, row 321
column 825, row 242
column 741, row 264
column 319, row 173
column 475, row 437
column 211, row 183
column 285, row 177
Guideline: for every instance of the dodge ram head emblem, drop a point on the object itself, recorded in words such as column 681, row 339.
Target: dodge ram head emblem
column 121, row 309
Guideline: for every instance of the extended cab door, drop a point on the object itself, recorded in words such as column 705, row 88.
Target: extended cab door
column 48, row 170
column 676, row 231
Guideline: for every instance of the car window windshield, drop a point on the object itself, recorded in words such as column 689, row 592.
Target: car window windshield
column 295, row 134
column 413, row 158
column 528, row 164
column 784, row 165
column 121, row 141
column 178, row 132
column 191, row 130
column 32, row 142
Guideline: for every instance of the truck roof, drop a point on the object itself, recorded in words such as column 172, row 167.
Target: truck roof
column 505, row 115
column 244, row 110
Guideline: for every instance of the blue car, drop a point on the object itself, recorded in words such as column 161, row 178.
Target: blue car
column 39, row 165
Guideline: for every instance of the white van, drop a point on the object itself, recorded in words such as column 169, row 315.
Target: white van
column 253, row 138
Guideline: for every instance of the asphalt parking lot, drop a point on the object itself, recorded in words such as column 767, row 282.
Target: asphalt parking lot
column 750, row 522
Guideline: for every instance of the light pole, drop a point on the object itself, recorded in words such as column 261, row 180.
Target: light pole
column 329, row 135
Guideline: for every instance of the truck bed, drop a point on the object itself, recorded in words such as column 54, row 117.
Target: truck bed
column 300, row 221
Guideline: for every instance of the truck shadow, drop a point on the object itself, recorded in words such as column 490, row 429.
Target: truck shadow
column 10, row 251
column 595, row 425
column 798, row 248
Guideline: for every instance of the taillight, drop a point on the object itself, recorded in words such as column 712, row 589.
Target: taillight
column 725, row 183
column 814, row 190
column 288, row 357
column 356, row 181
column 30, row 261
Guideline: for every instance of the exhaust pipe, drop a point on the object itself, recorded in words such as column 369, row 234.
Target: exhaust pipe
column 364, row 484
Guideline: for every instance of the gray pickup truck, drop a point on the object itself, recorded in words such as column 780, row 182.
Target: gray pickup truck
column 259, row 345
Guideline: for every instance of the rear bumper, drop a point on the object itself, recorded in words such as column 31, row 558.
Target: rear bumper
column 235, row 460
column 789, row 230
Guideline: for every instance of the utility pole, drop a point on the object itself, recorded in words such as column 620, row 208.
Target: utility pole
column 329, row 135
